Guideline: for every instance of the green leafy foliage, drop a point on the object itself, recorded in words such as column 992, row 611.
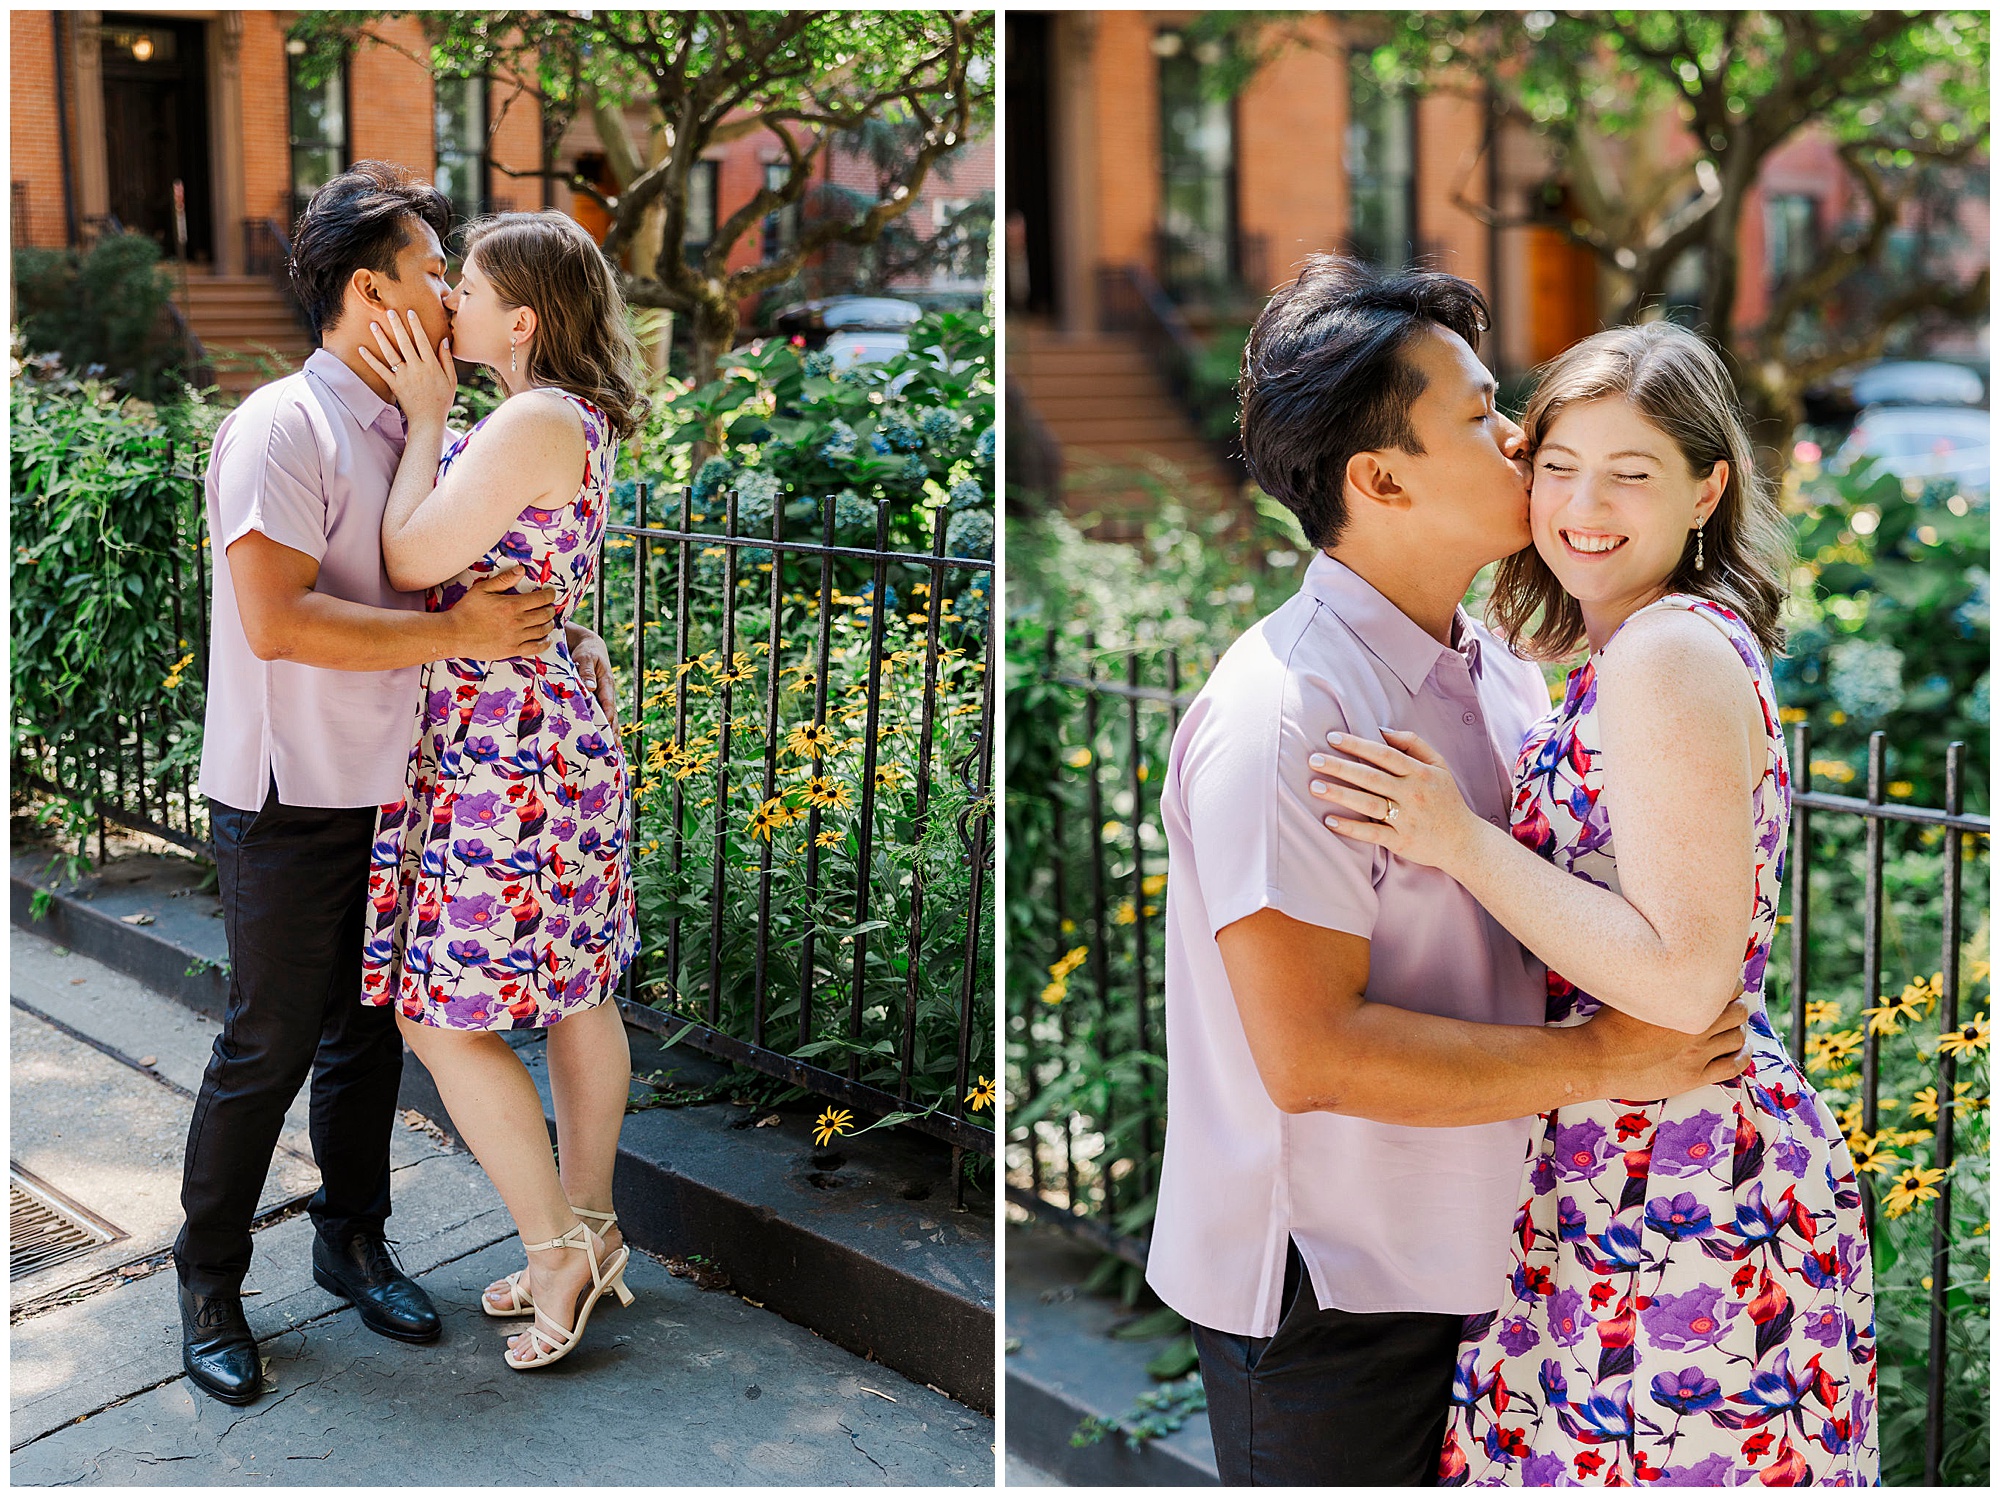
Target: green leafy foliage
column 104, row 505
column 106, row 307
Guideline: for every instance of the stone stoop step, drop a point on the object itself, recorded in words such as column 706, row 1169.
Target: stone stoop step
column 861, row 1243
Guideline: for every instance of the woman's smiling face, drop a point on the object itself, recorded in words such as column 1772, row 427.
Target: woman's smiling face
column 1612, row 505
column 481, row 321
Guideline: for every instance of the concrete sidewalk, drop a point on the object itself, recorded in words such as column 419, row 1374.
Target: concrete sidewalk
column 686, row 1387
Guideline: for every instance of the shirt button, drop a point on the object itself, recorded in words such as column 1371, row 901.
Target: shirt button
column 1470, row 719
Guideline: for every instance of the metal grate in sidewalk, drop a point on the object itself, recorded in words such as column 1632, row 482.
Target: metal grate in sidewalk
column 45, row 1227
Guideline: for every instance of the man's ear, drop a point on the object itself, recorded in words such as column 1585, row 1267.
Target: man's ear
column 1369, row 481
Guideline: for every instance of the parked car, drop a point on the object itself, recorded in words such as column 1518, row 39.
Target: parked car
column 1925, row 442
column 854, row 329
column 1897, row 382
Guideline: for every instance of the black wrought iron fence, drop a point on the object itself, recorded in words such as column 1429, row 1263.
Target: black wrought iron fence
column 839, row 936
column 1085, row 1030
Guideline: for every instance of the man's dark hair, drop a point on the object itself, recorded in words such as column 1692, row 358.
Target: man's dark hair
column 358, row 221
column 1324, row 377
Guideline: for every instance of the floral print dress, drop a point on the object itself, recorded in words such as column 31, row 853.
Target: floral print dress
column 1691, row 1301
column 500, row 890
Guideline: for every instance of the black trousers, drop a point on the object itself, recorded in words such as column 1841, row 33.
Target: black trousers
column 1331, row 1400
column 294, row 883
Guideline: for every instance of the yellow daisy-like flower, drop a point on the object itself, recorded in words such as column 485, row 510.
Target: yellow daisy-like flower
column 832, row 1123
column 1126, row 914
column 1967, row 1039
column 981, row 1096
column 766, row 819
column 1077, row 758
column 1850, row 1117
column 1826, row 1052
column 1886, row 1019
column 1912, row 1188
column 1070, row 961
column 1055, row 992
column 810, row 741
column 1153, row 884
column 829, row 839
column 691, row 764
column 1822, row 1012
column 821, row 791
column 889, row 776
column 1869, row 1158
column 741, row 670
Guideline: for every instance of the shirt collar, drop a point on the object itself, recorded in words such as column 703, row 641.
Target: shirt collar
column 1391, row 635
column 351, row 390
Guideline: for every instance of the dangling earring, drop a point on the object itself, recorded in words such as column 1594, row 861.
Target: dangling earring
column 513, row 357
column 1699, row 564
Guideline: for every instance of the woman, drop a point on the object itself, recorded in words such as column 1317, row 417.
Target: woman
column 1690, row 1301
column 501, row 892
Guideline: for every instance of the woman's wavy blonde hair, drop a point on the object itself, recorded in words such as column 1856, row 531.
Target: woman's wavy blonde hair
column 548, row 263
column 1676, row 381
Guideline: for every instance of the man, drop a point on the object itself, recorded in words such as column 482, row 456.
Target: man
column 1354, row 1045
column 312, row 708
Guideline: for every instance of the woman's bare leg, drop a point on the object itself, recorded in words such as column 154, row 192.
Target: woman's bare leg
column 497, row 1111
column 590, row 1072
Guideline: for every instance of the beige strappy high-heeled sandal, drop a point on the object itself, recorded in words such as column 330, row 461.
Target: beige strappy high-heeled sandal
column 547, row 1342
column 520, row 1297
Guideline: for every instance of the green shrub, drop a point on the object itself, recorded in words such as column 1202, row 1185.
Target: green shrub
column 106, row 307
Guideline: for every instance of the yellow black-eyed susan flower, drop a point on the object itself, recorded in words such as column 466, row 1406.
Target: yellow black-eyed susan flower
column 1055, row 992
column 889, row 776
column 829, row 839
column 821, row 791
column 1967, row 1039
column 1912, row 1188
column 810, row 741
column 1069, row 962
column 764, row 820
column 832, row 1123
column 981, row 1096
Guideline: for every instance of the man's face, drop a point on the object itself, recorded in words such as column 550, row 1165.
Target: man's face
column 1469, row 487
column 418, row 285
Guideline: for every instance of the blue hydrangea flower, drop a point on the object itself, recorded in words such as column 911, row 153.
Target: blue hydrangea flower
column 900, row 434
column 969, row 534
column 852, row 512
column 966, row 493
column 1866, row 679
column 915, row 469
column 878, row 443
column 982, row 450
column 710, row 481
column 938, row 424
column 756, row 496
column 819, row 361
column 840, row 442
column 971, row 605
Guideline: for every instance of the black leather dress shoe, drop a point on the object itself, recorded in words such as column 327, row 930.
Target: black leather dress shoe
column 217, row 1349
column 362, row 1271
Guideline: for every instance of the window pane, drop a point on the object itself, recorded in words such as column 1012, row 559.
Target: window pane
column 1197, row 165
column 319, row 128
column 1380, row 166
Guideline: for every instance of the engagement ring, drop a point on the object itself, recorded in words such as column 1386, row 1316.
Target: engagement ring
column 1390, row 814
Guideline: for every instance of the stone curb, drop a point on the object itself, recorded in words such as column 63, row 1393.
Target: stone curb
column 863, row 1247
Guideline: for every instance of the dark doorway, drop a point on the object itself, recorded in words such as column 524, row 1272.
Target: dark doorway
column 1031, row 255
column 156, row 127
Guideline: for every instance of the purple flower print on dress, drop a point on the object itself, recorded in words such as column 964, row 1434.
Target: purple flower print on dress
column 1709, row 1471
column 556, row 927
column 472, row 852
column 1543, row 1471
column 1793, row 1157
column 1517, row 1336
column 481, row 749
column 587, row 894
column 1543, row 1175
column 474, row 911
column 1825, row 1325
column 563, row 828
column 1689, row 1391
column 593, row 746
column 1567, row 1321
column 1679, row 1217
column 1581, row 1150
column 1571, row 1224
column 1690, row 1146
column 514, row 546
column 496, row 706
column 559, row 724
column 437, row 705
column 481, row 808
column 596, row 796
column 591, row 840
column 468, row 953
column 1686, row 1322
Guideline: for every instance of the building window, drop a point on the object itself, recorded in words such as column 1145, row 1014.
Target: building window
column 700, row 211
column 461, row 145
column 319, row 127
column 1381, row 167
column 1197, row 236
column 781, row 229
column 1791, row 237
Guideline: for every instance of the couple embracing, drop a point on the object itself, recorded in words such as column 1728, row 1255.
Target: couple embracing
column 1484, row 1165
column 418, row 799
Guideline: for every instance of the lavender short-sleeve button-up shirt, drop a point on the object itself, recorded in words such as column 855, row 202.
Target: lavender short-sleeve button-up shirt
column 307, row 460
column 1387, row 1218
